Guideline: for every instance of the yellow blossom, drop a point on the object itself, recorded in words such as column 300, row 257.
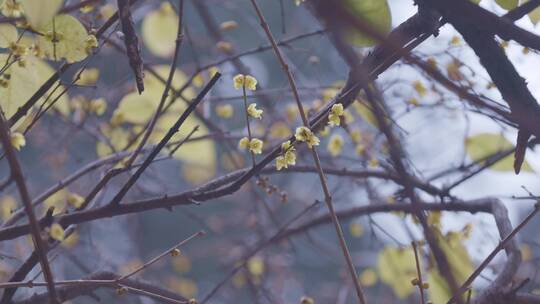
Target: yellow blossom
column 368, row 277
column 75, row 200
column 225, row 110
column 304, row 299
column 253, row 111
column 292, row 112
column 85, row 9
column 247, row 81
column 57, row 232
column 225, row 47
column 455, row 40
column 255, row 265
column 256, row 145
column 7, row 205
column 335, row 113
column 280, row 130
column 117, row 119
column 419, row 88
column 325, row 131
column 288, row 157
column 90, row 43
column 243, row 143
column 413, row 101
column 18, row 49
column 98, row 106
column 335, row 145
column 17, row 140
column 11, row 8
column 88, row 77
column 356, row 136
column 304, row 134
column 228, row 25
column 360, row 149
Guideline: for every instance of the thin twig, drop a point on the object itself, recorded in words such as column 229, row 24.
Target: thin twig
column 18, row 177
column 328, row 197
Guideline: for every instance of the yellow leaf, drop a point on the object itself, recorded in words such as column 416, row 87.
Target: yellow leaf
column 460, row 264
column 65, row 38
column 486, row 144
column 57, row 232
column 159, row 30
column 368, row 277
column 507, row 4
column 356, row 229
column 199, row 156
column 40, row 12
column 7, row 206
column 255, row 265
column 23, row 82
column 376, row 13
column 396, row 267
column 8, row 34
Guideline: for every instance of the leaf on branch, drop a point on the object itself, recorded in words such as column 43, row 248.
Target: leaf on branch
column 483, row 145
column 64, row 37
column 507, row 4
column 131, row 42
column 40, row 12
column 159, row 30
column 374, row 12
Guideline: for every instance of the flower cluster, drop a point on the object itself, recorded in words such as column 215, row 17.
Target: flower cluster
column 17, row 140
column 304, row 134
column 288, row 157
column 255, row 145
column 247, row 81
column 335, row 113
column 253, row 111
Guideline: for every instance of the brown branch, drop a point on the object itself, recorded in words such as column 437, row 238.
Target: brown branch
column 133, row 49
column 16, row 173
column 167, row 88
column 118, row 197
column 315, row 155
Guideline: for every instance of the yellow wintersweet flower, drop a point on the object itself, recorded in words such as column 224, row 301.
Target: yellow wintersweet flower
column 255, row 145
column 17, row 140
column 307, row 300
column 11, row 9
column 243, row 143
column 255, row 266
column 57, row 232
column 288, row 157
column 253, row 111
column 228, row 25
column 335, row 113
column 75, row 200
column 18, row 49
column 225, row 46
column 225, row 111
column 419, row 88
column 247, row 81
column 304, row 134
column 280, row 130
column 360, row 149
column 335, row 145
column 292, row 112
column 325, row 131
column 88, row 77
column 98, row 106
column 90, row 44
column 356, row 136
